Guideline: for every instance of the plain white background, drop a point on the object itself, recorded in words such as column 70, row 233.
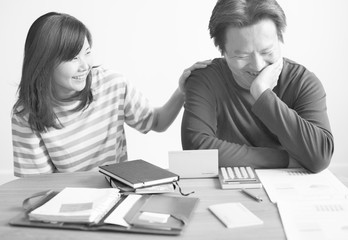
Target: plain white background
column 153, row 41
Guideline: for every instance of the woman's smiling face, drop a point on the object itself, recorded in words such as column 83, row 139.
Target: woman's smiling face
column 70, row 76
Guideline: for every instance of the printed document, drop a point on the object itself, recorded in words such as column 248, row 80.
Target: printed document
column 293, row 184
column 326, row 219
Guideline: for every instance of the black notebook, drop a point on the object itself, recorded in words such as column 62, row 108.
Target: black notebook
column 138, row 173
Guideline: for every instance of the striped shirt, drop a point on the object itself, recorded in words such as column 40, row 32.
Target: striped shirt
column 89, row 138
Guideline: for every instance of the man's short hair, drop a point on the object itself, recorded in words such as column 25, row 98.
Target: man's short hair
column 243, row 13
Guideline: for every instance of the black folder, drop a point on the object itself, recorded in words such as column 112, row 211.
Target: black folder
column 179, row 209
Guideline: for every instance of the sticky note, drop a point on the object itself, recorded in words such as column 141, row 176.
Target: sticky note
column 235, row 215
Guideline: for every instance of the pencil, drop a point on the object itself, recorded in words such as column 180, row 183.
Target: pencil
column 257, row 198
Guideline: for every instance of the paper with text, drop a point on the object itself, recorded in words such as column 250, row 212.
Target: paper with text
column 300, row 184
column 318, row 220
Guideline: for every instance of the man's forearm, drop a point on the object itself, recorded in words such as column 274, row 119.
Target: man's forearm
column 232, row 154
column 307, row 143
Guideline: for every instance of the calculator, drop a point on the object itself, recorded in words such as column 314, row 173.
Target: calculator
column 238, row 177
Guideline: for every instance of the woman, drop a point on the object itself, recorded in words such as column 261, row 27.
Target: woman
column 70, row 115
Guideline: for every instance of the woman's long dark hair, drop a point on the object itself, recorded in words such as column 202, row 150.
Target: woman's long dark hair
column 52, row 39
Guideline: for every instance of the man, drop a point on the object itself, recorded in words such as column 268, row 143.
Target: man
column 256, row 107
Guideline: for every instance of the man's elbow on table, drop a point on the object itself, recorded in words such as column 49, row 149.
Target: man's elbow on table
column 320, row 160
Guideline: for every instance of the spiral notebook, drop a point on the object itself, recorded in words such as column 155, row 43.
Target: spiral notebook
column 83, row 205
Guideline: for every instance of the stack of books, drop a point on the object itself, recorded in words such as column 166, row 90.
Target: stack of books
column 139, row 176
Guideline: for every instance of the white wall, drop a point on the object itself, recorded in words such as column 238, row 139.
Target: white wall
column 153, row 41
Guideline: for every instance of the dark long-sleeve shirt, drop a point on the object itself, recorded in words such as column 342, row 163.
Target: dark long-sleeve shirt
column 288, row 121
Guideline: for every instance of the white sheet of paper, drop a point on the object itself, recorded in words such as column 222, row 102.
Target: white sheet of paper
column 194, row 163
column 294, row 184
column 154, row 217
column 318, row 220
column 235, row 215
column 163, row 188
column 117, row 216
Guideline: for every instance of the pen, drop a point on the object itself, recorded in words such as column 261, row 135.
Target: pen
column 257, row 198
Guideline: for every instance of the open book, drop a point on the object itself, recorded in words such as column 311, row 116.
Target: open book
column 84, row 205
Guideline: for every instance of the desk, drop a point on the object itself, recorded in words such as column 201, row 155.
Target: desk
column 203, row 224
